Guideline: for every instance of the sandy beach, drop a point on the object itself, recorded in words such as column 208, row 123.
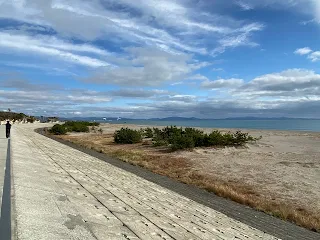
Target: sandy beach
column 284, row 166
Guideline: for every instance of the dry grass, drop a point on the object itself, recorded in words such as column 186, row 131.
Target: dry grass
column 158, row 161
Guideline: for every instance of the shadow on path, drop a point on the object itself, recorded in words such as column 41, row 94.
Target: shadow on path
column 5, row 218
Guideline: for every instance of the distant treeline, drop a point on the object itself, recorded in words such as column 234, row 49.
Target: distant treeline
column 12, row 116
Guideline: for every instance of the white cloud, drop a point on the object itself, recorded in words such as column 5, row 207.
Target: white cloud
column 147, row 67
column 198, row 77
column 303, row 51
column 289, row 83
column 182, row 98
column 307, row 7
column 316, row 10
column 217, row 69
column 315, row 56
column 308, row 22
column 176, row 83
column 139, row 93
column 53, row 42
column 88, row 99
column 240, row 39
column 48, row 98
column 165, row 38
column 47, row 68
column 223, row 83
column 243, row 5
column 292, row 93
column 51, row 47
column 169, row 25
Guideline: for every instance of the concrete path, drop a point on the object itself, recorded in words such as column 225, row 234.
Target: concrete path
column 62, row 193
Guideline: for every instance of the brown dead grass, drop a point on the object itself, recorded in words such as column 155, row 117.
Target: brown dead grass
column 158, row 161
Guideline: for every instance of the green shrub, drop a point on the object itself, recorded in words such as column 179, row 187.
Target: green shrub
column 127, row 136
column 240, row 138
column 228, row 139
column 84, row 123
column 58, row 129
column 197, row 136
column 157, row 136
column 171, row 132
column 215, row 138
column 95, row 124
column 148, row 133
column 79, row 126
column 182, row 142
column 31, row 119
column 159, row 143
column 73, row 126
column 11, row 116
column 165, row 136
column 188, row 138
column 177, row 138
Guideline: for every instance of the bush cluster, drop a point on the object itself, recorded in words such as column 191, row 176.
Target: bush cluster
column 127, row 136
column 179, row 138
column 72, row 126
column 148, row 132
column 58, row 129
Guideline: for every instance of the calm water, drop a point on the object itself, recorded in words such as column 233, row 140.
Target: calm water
column 292, row 124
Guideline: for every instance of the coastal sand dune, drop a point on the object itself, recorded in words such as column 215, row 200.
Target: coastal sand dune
column 282, row 165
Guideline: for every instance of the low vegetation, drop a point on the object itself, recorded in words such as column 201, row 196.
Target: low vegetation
column 148, row 132
column 72, row 126
column 58, row 129
column 12, row 116
column 179, row 138
column 127, row 136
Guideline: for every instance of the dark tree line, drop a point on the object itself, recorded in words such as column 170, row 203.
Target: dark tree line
column 15, row 116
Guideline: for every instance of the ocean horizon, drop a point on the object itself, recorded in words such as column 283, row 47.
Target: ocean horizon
column 263, row 124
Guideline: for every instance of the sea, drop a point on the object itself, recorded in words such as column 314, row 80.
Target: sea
column 269, row 124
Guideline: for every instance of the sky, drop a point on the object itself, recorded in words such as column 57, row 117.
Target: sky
column 160, row 58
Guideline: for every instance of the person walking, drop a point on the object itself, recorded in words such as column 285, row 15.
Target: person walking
column 8, row 128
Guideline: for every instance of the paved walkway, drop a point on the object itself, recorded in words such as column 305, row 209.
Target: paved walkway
column 62, row 193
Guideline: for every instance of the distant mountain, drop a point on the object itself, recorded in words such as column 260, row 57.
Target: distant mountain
column 263, row 118
column 174, row 119
column 231, row 118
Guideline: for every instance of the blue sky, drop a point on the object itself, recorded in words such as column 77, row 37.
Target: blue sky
column 152, row 58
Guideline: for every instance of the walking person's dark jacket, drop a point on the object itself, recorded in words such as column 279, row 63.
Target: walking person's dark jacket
column 8, row 128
